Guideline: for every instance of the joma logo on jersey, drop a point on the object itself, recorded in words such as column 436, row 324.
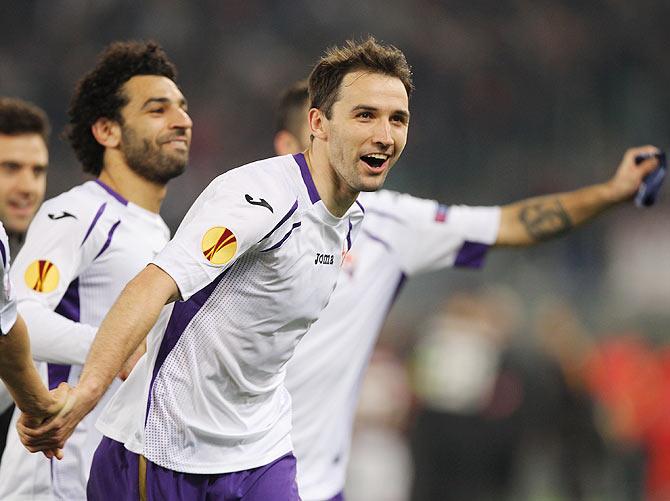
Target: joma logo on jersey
column 219, row 245
column 42, row 276
column 324, row 258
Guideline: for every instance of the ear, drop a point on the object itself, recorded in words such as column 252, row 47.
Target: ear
column 318, row 124
column 286, row 143
column 107, row 132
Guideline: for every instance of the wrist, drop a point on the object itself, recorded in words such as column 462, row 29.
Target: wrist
column 89, row 392
column 609, row 194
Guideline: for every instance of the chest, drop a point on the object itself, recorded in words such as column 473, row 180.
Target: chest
column 298, row 273
column 121, row 249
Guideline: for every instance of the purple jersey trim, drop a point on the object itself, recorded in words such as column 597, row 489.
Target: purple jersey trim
column 278, row 244
column 361, row 206
column 68, row 308
column 307, row 177
column 4, row 255
column 109, row 239
column 95, row 220
column 387, row 215
column 338, row 497
column 182, row 314
column 112, row 192
column 283, row 220
column 349, row 236
column 371, row 236
column 471, row 254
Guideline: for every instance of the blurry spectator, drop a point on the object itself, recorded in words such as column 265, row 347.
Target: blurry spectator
column 380, row 462
column 471, row 390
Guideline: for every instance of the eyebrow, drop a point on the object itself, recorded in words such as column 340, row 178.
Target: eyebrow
column 365, row 107
column 163, row 100
column 14, row 163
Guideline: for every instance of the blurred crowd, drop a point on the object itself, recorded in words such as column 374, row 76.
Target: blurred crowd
column 498, row 403
column 506, row 392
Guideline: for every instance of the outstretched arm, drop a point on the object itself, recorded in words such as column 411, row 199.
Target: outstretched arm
column 126, row 325
column 537, row 219
column 19, row 374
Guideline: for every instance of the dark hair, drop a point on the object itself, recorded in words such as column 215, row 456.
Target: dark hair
column 290, row 114
column 327, row 75
column 21, row 117
column 99, row 94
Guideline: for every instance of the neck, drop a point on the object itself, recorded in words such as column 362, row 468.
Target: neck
column 133, row 187
column 336, row 194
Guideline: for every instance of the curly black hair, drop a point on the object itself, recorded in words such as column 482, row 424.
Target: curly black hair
column 99, row 94
column 21, row 117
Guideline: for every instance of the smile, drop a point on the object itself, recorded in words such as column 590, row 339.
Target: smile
column 375, row 160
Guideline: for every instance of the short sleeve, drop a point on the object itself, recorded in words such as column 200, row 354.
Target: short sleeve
column 7, row 304
column 427, row 235
column 54, row 253
column 221, row 225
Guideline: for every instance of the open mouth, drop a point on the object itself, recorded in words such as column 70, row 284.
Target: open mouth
column 375, row 160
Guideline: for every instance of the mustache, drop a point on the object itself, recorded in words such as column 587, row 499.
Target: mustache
column 177, row 134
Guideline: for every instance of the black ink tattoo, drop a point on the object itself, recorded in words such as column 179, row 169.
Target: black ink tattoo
column 545, row 219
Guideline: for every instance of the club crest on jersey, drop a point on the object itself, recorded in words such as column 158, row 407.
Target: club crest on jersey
column 219, row 245
column 42, row 276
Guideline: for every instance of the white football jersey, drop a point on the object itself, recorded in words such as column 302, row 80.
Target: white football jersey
column 7, row 304
column 80, row 251
column 400, row 236
column 256, row 260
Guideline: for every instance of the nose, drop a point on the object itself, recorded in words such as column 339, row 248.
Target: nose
column 182, row 120
column 27, row 182
column 382, row 134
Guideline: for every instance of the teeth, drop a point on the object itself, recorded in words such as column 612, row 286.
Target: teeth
column 380, row 156
column 21, row 205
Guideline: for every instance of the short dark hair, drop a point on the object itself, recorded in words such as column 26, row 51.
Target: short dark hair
column 21, row 117
column 327, row 75
column 99, row 94
column 290, row 114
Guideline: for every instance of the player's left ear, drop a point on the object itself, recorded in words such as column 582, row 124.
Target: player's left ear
column 286, row 143
column 318, row 124
column 107, row 132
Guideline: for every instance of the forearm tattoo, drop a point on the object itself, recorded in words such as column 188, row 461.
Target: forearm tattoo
column 545, row 219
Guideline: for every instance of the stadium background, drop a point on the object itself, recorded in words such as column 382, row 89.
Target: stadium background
column 513, row 99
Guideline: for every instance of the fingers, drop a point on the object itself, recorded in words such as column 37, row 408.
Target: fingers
column 649, row 162
column 49, row 435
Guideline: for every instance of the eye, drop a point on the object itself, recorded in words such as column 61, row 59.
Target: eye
column 157, row 111
column 10, row 167
column 401, row 119
column 39, row 171
column 365, row 115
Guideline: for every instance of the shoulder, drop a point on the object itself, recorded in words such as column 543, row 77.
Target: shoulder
column 74, row 214
column 264, row 183
column 80, row 204
column 397, row 207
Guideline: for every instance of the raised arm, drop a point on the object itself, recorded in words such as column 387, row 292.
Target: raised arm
column 126, row 325
column 541, row 218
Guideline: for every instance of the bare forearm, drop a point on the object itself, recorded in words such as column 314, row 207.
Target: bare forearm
column 543, row 218
column 123, row 329
column 19, row 373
